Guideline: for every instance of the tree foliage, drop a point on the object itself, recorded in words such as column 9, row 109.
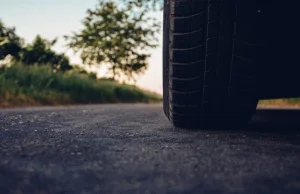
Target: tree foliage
column 10, row 42
column 118, row 34
column 40, row 52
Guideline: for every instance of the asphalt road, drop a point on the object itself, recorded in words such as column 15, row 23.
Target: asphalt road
column 134, row 149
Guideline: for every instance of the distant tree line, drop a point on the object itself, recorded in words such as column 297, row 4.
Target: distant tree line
column 38, row 52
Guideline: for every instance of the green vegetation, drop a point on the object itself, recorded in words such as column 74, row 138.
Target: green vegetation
column 114, row 33
column 39, row 52
column 10, row 42
column 287, row 102
column 118, row 34
column 39, row 85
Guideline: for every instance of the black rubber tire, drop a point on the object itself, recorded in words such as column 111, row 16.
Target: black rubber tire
column 210, row 53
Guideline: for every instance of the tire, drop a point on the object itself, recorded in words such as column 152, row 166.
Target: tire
column 210, row 52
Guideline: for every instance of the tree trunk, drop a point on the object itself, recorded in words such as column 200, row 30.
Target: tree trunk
column 114, row 73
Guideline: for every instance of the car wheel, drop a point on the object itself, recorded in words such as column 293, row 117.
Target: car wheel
column 209, row 62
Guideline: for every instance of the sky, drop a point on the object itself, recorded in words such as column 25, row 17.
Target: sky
column 56, row 18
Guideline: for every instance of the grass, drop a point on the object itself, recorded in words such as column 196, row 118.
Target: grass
column 287, row 102
column 35, row 85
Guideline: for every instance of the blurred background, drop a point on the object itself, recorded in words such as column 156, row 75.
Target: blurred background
column 57, row 52
column 66, row 52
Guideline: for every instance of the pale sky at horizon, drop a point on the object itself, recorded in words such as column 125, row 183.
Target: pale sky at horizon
column 56, row 18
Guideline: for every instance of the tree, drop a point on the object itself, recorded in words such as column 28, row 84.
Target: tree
column 145, row 5
column 40, row 52
column 10, row 42
column 118, row 34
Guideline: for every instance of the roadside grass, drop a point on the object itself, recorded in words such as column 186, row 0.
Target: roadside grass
column 35, row 85
column 287, row 102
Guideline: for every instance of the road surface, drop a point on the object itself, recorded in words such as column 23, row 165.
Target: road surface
column 134, row 149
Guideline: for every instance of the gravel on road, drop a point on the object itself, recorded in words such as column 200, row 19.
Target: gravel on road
column 132, row 148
